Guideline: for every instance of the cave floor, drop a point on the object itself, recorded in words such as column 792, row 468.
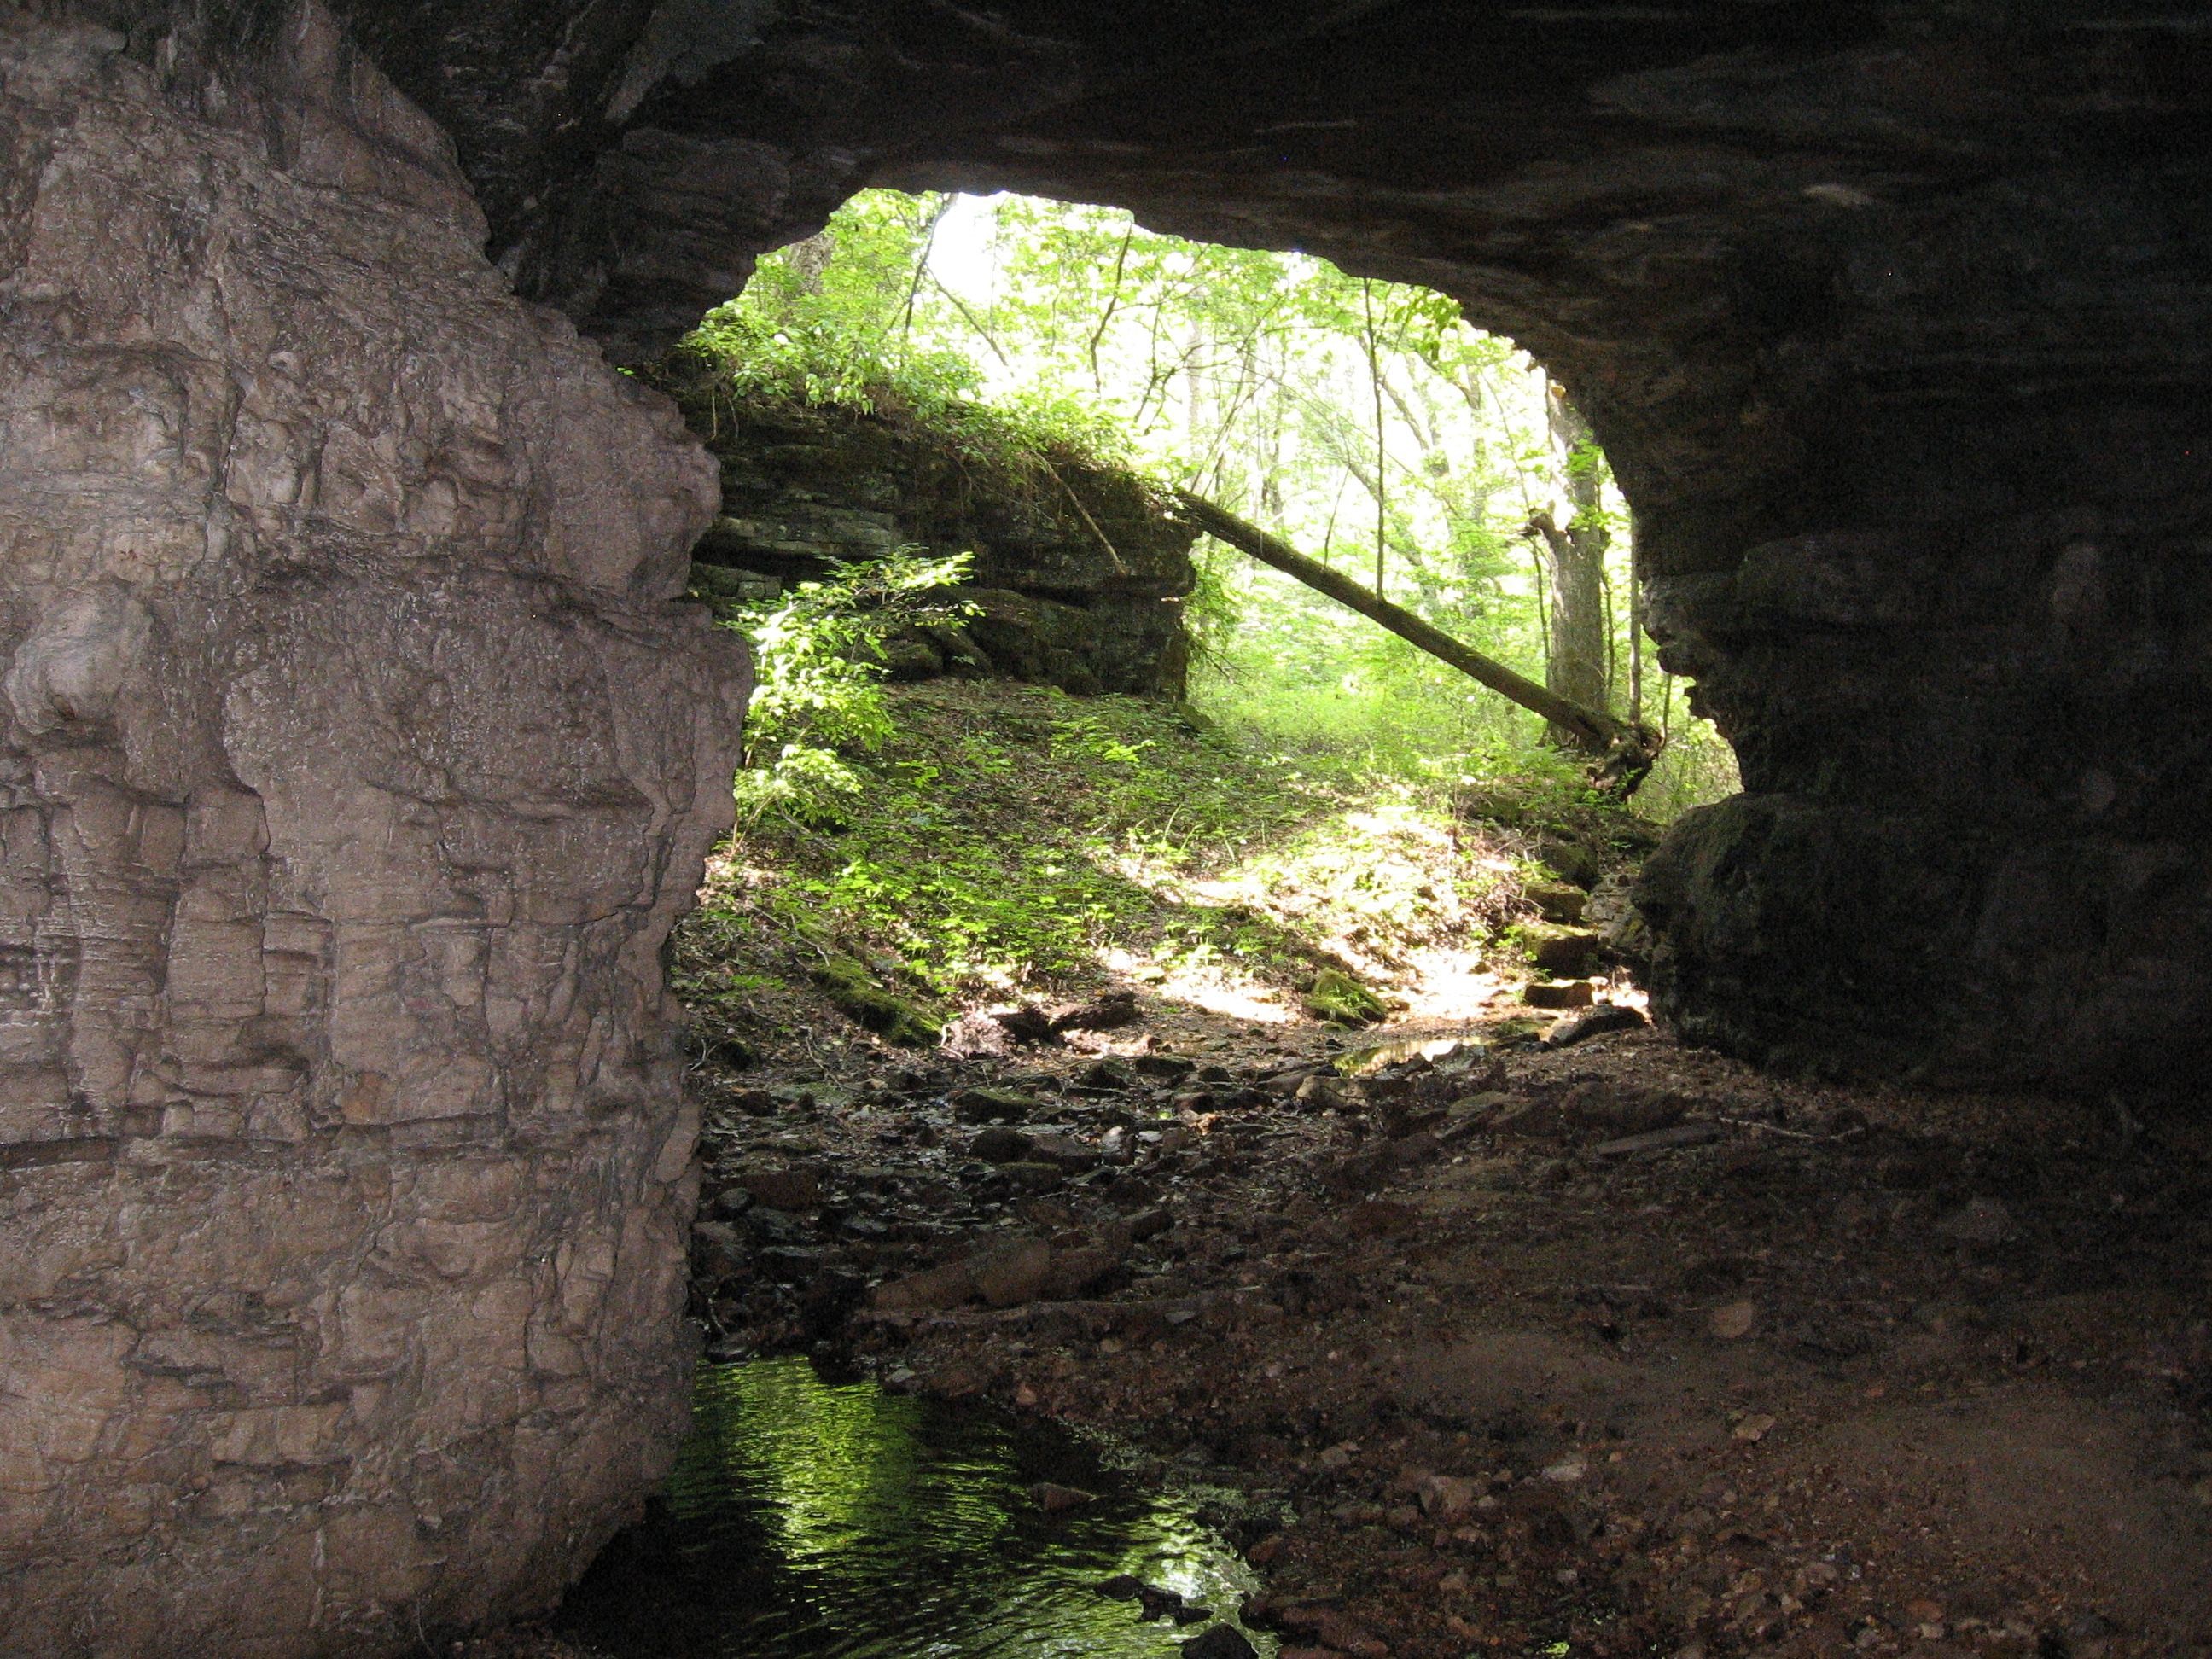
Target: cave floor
column 1843, row 1367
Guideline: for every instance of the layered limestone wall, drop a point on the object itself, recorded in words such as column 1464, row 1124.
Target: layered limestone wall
column 356, row 759
column 1076, row 578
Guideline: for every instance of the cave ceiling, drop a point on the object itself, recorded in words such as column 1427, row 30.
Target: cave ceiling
column 1670, row 204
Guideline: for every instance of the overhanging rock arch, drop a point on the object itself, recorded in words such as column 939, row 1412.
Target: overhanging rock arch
column 1892, row 319
column 359, row 758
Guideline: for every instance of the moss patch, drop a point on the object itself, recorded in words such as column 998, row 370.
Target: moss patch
column 1338, row 998
column 857, row 995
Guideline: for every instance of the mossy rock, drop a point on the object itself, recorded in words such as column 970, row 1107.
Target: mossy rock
column 866, row 1004
column 1338, row 998
column 1561, row 952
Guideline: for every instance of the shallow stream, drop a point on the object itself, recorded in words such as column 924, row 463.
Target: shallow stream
column 814, row 1520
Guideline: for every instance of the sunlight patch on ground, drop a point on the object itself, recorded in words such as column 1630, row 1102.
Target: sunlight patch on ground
column 1395, row 892
column 1203, row 987
column 1446, row 985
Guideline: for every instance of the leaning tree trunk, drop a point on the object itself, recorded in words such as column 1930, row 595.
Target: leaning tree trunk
column 1620, row 754
column 1575, row 558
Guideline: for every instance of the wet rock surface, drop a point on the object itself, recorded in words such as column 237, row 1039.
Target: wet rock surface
column 1622, row 1346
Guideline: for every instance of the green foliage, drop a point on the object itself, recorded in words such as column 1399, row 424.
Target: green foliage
column 1333, row 410
column 841, row 322
column 1697, row 769
column 818, row 665
column 1012, row 838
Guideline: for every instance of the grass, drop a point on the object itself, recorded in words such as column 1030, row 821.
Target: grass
column 1010, row 840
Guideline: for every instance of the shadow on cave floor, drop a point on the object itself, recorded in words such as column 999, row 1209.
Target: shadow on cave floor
column 1621, row 1346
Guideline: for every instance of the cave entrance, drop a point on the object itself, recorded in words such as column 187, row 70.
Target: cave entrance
column 877, row 384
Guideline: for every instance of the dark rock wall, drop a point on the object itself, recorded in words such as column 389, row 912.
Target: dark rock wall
column 355, row 760
column 1076, row 575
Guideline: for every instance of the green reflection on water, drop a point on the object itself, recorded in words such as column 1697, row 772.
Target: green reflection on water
column 810, row 1518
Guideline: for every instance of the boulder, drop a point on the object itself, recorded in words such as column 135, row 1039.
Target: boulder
column 789, row 1187
column 1566, row 994
column 993, row 1106
column 1561, row 952
column 1012, row 1274
column 1000, row 1146
column 932, row 1290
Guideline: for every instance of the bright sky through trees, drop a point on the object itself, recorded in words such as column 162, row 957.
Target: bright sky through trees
column 1364, row 423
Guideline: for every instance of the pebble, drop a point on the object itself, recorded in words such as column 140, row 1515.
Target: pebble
column 1658, row 1140
column 1221, row 1642
column 994, row 1105
column 1169, row 1066
column 1000, row 1146
column 1446, row 1497
column 1978, row 1221
column 1380, row 1218
column 783, row 1189
column 1052, row 1500
column 1602, row 1018
column 1156, row 1601
column 1733, row 1319
column 1133, row 1193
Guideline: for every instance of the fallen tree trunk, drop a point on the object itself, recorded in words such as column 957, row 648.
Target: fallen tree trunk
column 1621, row 754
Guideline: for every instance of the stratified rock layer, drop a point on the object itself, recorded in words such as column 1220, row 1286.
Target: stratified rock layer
column 1076, row 575
column 355, row 761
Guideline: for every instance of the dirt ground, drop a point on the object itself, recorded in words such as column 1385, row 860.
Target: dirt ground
column 1804, row 1369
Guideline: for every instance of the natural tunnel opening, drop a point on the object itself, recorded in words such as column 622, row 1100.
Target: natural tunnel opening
column 1009, row 1102
column 360, row 754
column 1363, row 419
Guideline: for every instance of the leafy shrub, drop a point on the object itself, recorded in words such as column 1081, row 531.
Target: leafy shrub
column 818, row 664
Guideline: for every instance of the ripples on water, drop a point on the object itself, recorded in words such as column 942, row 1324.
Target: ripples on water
column 810, row 1520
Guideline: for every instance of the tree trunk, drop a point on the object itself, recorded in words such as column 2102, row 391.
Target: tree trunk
column 1576, row 668
column 1620, row 755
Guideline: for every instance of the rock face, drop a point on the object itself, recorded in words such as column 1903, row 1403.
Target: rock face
column 1076, row 575
column 1893, row 320
column 356, row 759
